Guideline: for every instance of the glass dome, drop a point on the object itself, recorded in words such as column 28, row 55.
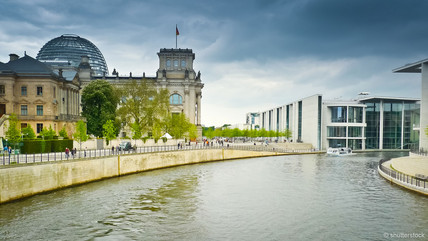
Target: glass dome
column 71, row 48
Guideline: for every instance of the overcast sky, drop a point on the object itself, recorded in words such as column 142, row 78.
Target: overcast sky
column 253, row 55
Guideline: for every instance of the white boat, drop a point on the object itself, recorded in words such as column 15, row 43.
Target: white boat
column 340, row 151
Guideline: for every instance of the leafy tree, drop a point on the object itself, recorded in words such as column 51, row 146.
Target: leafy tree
column 156, row 132
column 218, row 132
column 143, row 105
column 263, row 133
column 177, row 125
column 287, row 134
column 193, row 132
column 136, row 131
column 63, row 132
column 236, row 132
column 80, row 135
column 209, row 133
column 28, row 133
column 13, row 133
column 99, row 103
column 109, row 131
column 47, row 134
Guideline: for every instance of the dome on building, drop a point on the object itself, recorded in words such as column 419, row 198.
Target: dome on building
column 70, row 48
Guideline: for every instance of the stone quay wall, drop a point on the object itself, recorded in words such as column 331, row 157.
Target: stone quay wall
column 22, row 181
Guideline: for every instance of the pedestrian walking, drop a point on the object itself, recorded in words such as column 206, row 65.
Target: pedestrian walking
column 67, row 152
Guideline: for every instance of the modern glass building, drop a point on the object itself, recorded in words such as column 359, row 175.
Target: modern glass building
column 70, row 48
column 392, row 123
column 366, row 123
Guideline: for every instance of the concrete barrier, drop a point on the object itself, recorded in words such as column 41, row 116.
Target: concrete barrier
column 26, row 180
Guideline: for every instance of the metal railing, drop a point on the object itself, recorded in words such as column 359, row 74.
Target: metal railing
column 421, row 182
column 12, row 159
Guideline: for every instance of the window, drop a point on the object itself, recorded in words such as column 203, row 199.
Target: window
column 40, row 110
column 183, row 63
column 39, row 127
column 24, row 90
column 168, row 63
column 24, row 110
column 54, row 92
column 338, row 114
column 39, row 91
column 355, row 131
column 336, row 131
column 355, row 115
column 175, row 99
column 23, row 125
column 175, row 63
column 2, row 90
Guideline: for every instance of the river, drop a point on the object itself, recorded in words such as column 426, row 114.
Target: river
column 302, row 197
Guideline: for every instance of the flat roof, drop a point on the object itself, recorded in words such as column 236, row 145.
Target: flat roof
column 389, row 98
column 411, row 68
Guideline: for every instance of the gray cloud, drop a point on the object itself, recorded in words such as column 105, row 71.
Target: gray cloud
column 253, row 55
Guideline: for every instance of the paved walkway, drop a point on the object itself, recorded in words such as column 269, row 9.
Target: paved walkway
column 410, row 165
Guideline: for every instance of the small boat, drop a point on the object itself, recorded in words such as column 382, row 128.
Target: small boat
column 341, row 151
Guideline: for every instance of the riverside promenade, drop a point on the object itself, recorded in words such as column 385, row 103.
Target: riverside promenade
column 410, row 172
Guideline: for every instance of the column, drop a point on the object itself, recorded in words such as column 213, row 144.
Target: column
column 381, row 125
column 423, row 139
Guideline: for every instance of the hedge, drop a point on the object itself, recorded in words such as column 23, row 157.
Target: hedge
column 45, row 146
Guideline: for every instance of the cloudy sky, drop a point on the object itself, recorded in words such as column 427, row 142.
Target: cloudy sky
column 253, row 55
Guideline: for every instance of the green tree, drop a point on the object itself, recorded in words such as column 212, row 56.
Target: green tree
column 287, row 134
column 236, row 132
column 13, row 133
column 144, row 105
column 63, row 133
column 109, row 131
column 80, row 135
column 178, row 125
column 218, row 132
column 28, row 133
column 263, row 133
column 136, row 131
column 99, row 103
column 193, row 132
column 209, row 133
column 47, row 134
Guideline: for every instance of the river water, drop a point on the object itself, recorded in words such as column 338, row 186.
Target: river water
column 303, row 197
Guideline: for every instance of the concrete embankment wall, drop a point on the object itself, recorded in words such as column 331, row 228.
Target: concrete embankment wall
column 26, row 180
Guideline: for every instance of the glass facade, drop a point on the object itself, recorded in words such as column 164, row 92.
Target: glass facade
column 373, row 125
column 71, row 48
column 392, row 124
column 411, row 119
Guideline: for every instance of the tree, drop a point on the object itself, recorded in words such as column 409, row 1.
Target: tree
column 47, row 134
column 99, row 103
column 28, row 133
column 177, row 125
column 81, row 133
column 13, row 133
column 287, row 134
column 109, row 131
column 193, row 132
column 63, row 133
column 143, row 105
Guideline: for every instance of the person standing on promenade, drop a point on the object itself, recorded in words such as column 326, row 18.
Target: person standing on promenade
column 67, row 151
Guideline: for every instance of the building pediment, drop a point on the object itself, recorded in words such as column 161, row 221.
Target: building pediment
column 39, row 101
column 3, row 100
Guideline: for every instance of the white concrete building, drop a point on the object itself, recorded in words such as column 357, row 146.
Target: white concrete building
column 365, row 123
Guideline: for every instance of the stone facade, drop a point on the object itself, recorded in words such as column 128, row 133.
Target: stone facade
column 39, row 97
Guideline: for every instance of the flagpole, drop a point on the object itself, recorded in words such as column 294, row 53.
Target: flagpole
column 176, row 36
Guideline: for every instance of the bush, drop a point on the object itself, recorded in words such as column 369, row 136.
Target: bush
column 45, row 146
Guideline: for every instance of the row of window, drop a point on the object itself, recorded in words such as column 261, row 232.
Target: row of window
column 24, row 110
column 345, row 114
column 39, row 127
column 175, row 62
column 39, row 90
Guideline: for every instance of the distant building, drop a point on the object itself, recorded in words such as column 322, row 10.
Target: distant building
column 365, row 123
column 39, row 97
